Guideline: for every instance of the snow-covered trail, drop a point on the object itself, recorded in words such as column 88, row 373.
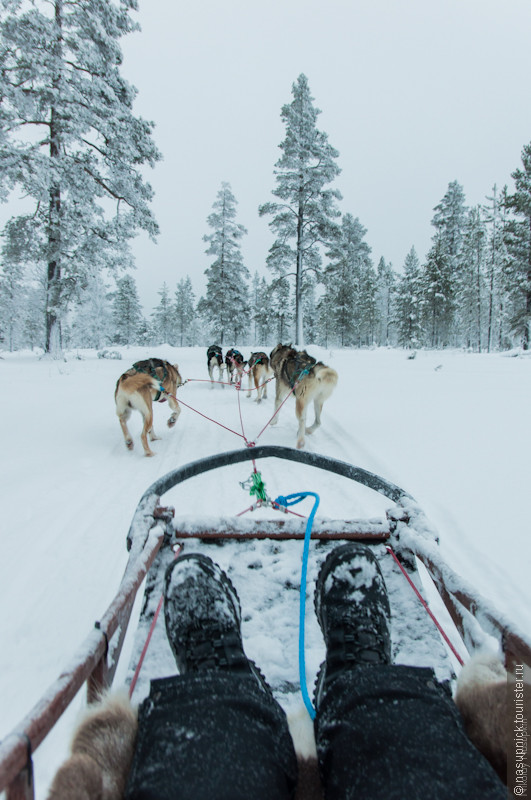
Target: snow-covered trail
column 449, row 428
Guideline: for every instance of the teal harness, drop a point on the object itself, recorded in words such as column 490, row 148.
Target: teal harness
column 149, row 367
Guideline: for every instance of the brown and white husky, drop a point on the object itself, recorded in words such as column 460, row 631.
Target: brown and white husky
column 153, row 380
column 259, row 372
column 309, row 380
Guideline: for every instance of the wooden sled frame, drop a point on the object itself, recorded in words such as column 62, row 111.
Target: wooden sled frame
column 406, row 529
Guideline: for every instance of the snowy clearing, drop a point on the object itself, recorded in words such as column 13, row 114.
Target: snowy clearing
column 450, row 428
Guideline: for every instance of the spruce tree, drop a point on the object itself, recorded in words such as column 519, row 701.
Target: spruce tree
column 438, row 292
column 129, row 324
column 518, row 239
column 184, row 312
column 163, row 320
column 70, row 142
column 226, row 303
column 305, row 214
column 471, row 290
column 497, row 257
column 386, row 297
column 408, row 306
column 350, row 286
column 92, row 319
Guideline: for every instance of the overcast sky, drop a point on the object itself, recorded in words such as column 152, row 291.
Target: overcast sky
column 414, row 94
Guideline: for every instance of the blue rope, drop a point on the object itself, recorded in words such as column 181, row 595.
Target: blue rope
column 291, row 500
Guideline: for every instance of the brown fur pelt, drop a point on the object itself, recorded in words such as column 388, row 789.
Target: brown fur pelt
column 101, row 753
column 482, row 697
column 309, row 380
column 139, row 388
column 301, row 729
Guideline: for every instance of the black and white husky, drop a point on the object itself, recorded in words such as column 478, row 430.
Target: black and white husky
column 235, row 364
column 215, row 361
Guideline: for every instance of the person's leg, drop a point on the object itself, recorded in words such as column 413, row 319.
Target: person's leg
column 384, row 731
column 214, row 732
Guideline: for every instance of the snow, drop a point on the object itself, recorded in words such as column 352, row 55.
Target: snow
column 450, row 428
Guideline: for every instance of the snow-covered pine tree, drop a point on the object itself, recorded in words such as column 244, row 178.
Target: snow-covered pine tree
column 449, row 222
column 309, row 304
column 92, row 319
column 386, row 296
column 408, row 304
column 12, row 292
column 226, row 303
column 163, row 318
column 260, row 312
column 350, row 285
column 70, row 142
column 497, row 258
column 519, row 244
column 470, row 285
column 438, row 294
column 184, row 312
column 280, row 310
column 306, row 209
column 128, row 321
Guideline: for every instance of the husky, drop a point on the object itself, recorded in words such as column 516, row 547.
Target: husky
column 235, row 364
column 101, row 753
column 296, row 371
column 145, row 383
column 259, row 371
column 215, row 361
column 484, row 699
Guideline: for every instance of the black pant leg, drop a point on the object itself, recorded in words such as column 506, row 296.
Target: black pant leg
column 211, row 736
column 393, row 733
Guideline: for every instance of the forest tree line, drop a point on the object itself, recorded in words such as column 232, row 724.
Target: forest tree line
column 70, row 142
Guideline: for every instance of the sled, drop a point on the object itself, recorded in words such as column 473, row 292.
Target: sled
column 402, row 539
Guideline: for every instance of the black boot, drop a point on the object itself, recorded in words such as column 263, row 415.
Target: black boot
column 203, row 618
column 353, row 611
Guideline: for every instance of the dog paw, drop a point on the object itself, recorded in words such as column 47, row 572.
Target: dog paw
column 149, row 453
column 172, row 420
column 129, row 444
column 300, row 444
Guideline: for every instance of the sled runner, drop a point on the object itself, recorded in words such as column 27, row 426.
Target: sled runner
column 266, row 554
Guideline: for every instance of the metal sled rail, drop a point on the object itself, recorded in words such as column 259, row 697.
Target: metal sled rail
column 95, row 663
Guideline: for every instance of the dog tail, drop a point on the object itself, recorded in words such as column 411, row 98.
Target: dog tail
column 327, row 376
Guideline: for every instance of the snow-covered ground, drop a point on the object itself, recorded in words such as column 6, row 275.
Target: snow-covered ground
column 450, row 428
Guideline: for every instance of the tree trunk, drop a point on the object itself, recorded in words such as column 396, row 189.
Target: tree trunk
column 299, row 333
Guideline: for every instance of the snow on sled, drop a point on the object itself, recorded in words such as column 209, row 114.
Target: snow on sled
column 263, row 558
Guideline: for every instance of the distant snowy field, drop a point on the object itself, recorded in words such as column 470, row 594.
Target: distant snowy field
column 450, row 428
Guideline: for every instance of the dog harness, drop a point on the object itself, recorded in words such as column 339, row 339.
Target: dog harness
column 150, row 366
column 302, row 365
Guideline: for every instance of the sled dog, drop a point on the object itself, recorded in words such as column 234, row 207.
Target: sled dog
column 101, row 753
column 215, row 361
column 259, row 372
column 308, row 379
column 145, row 383
column 235, row 364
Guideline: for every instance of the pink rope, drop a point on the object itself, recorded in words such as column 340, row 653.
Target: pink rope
column 427, row 609
column 209, row 418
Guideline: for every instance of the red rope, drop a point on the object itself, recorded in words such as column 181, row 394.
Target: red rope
column 427, row 609
column 178, row 549
column 209, row 418
column 276, row 412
